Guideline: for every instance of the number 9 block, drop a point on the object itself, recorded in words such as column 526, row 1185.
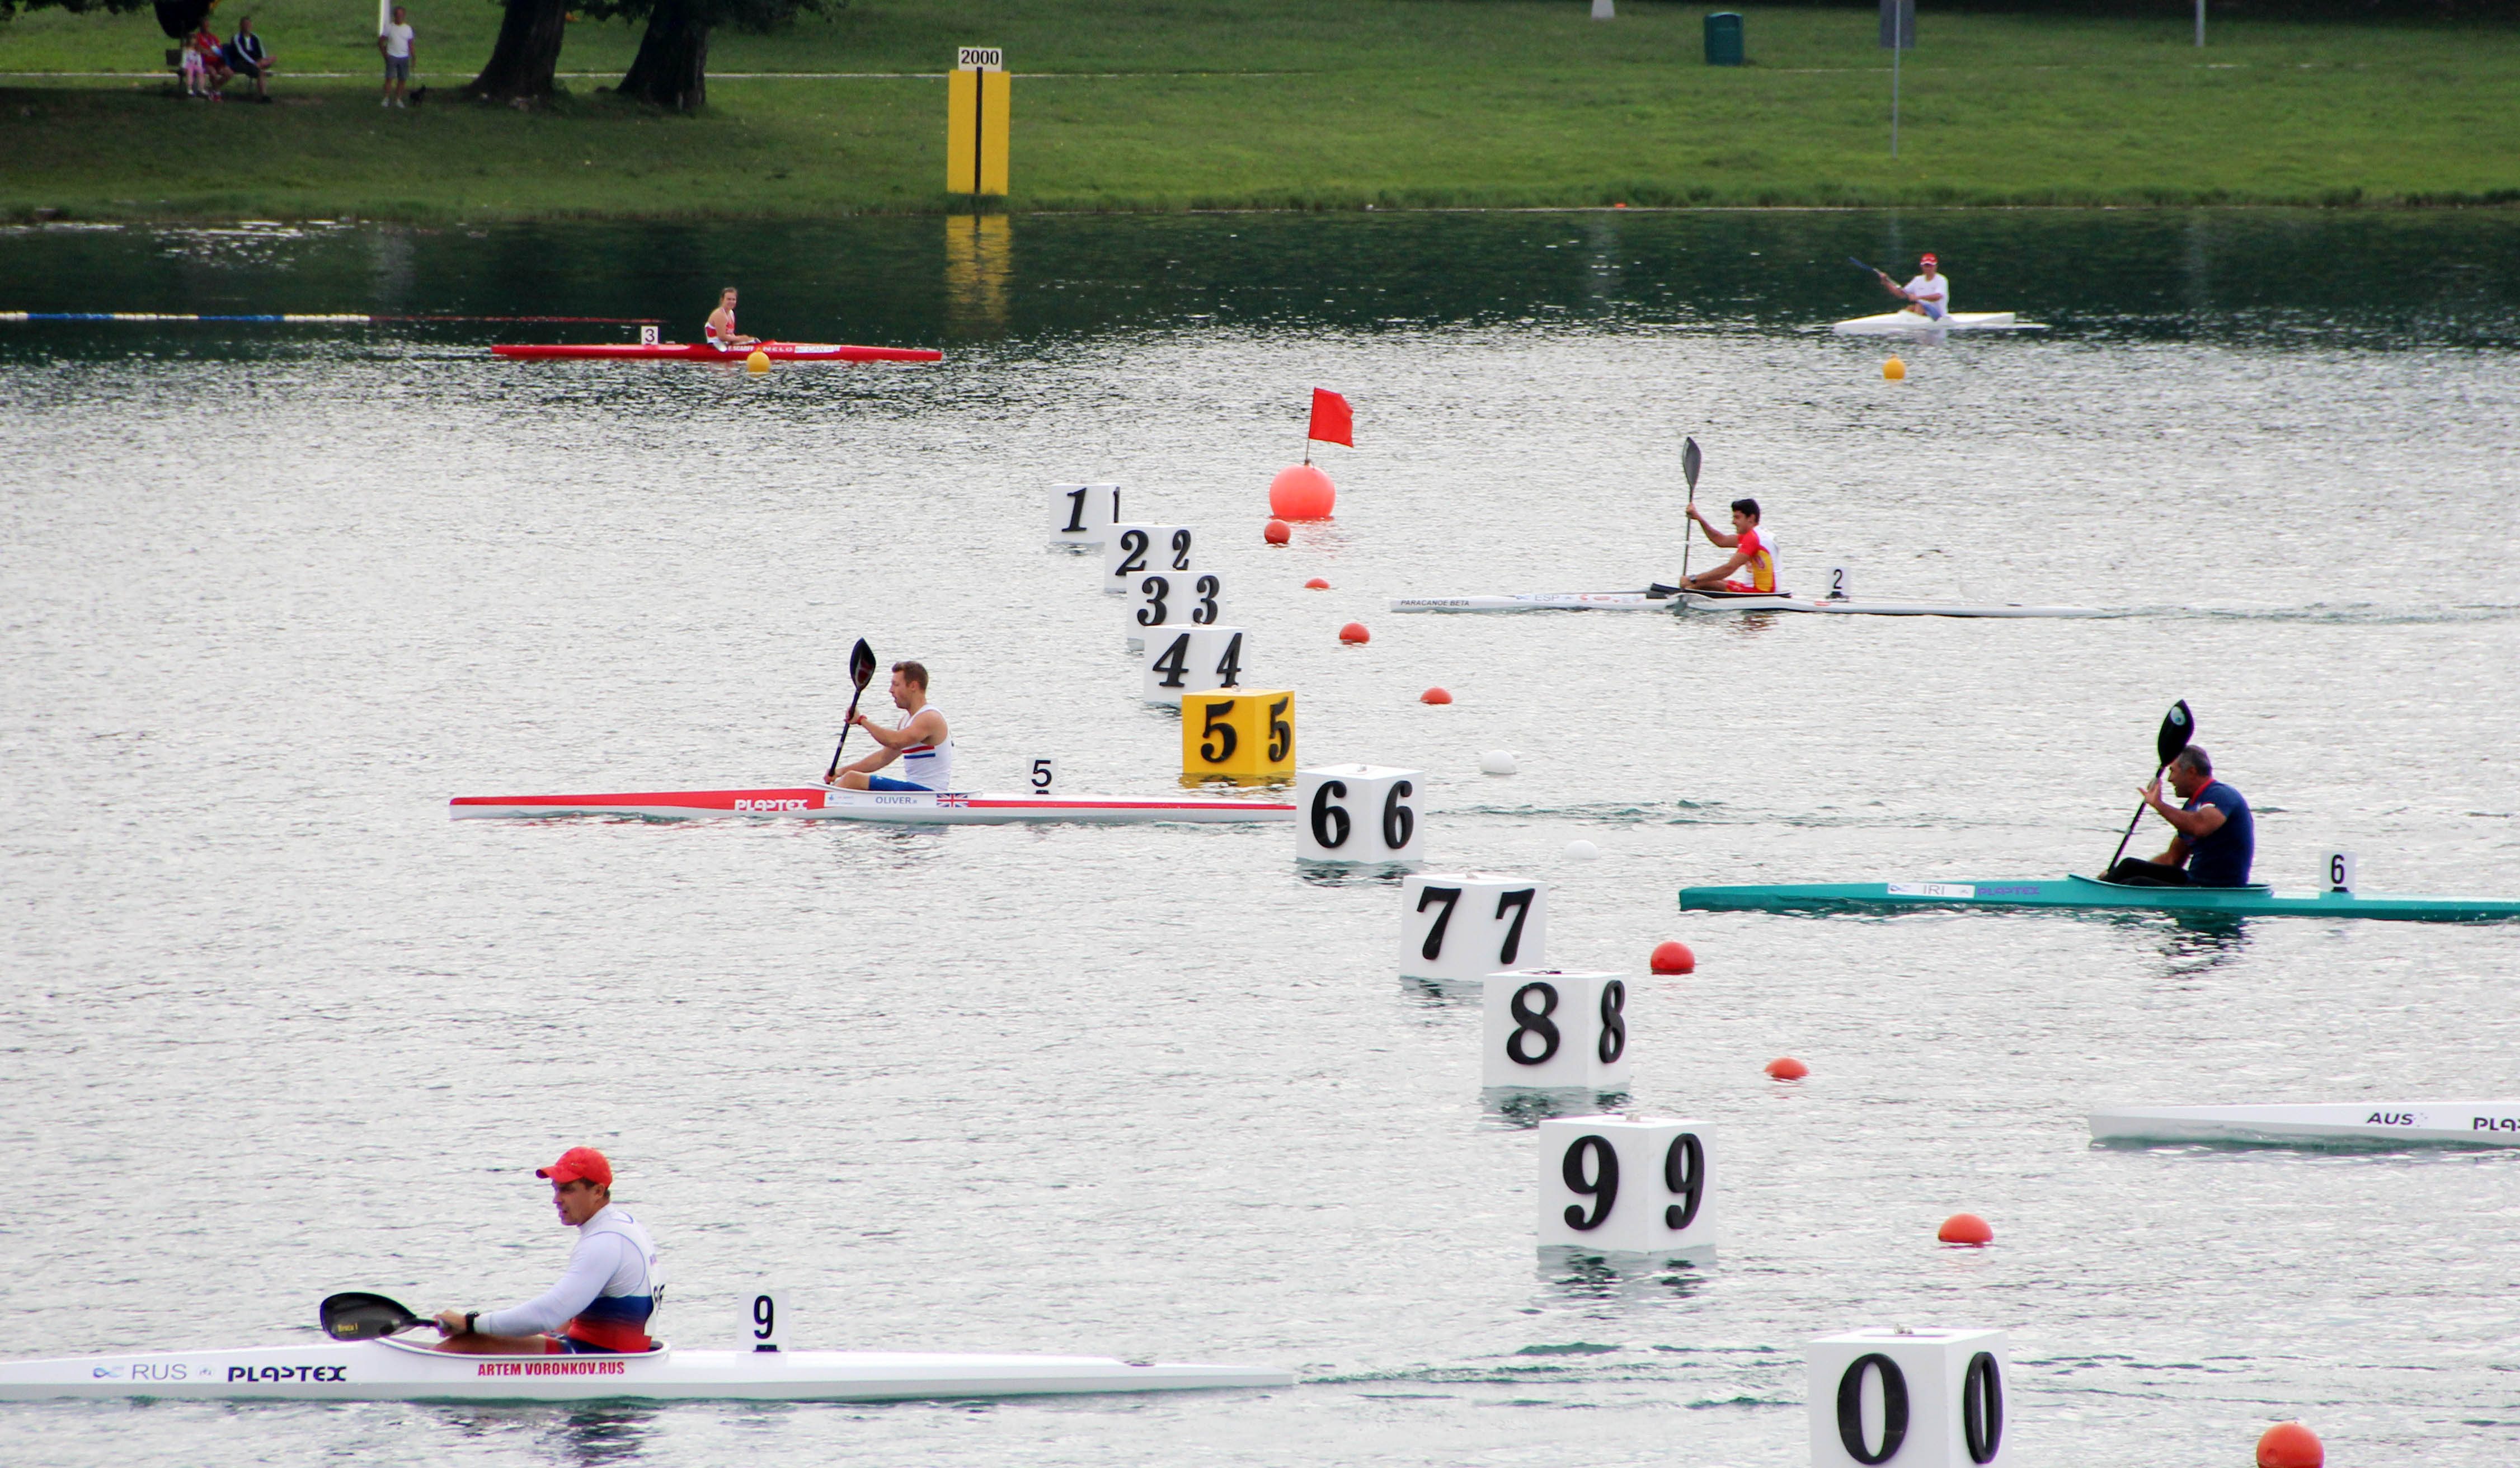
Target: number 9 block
column 1358, row 813
column 1468, row 925
column 1914, row 1398
column 1239, row 734
column 1626, row 1185
column 1551, row 1031
column 1133, row 552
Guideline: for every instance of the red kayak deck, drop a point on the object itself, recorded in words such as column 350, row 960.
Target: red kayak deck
column 678, row 351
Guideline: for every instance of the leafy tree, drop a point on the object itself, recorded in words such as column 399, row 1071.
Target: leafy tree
column 526, row 55
column 671, row 68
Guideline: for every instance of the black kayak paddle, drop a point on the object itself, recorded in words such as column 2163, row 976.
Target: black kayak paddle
column 860, row 668
column 2178, row 727
column 357, row 1317
column 1690, row 461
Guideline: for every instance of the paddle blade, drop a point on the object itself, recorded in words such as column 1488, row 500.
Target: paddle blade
column 1860, row 265
column 2176, row 728
column 861, row 663
column 1690, row 459
column 356, row 1316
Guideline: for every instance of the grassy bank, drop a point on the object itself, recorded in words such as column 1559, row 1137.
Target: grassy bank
column 1286, row 103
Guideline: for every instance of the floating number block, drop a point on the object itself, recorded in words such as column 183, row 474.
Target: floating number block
column 1043, row 777
column 1133, row 552
column 1916, row 1398
column 1173, row 600
column 1358, row 813
column 1552, row 1030
column 1243, row 733
column 1468, row 925
column 1626, row 1185
column 767, row 1325
column 2341, row 872
column 1191, row 660
column 1082, row 515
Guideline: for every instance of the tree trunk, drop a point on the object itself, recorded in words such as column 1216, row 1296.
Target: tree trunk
column 526, row 53
column 671, row 70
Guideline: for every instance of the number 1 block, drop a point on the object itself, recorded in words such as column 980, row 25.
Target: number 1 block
column 1239, row 734
column 1468, row 925
column 1082, row 515
column 1626, row 1185
column 1551, row 1031
column 1358, row 813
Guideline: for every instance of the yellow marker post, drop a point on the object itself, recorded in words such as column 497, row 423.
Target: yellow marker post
column 977, row 108
column 1239, row 734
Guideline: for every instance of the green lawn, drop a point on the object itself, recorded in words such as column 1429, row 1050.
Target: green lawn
column 1169, row 103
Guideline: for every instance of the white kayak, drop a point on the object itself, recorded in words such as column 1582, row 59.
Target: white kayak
column 1647, row 601
column 904, row 806
column 2483, row 1124
column 1537, row 602
column 389, row 1370
column 1892, row 322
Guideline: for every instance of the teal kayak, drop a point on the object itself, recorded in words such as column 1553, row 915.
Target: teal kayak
column 2082, row 892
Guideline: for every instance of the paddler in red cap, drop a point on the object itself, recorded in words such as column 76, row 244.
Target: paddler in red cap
column 601, row 1303
column 1928, row 294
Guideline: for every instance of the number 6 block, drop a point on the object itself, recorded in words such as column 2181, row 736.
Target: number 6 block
column 1239, row 734
column 1358, row 813
column 1628, row 1185
column 1916, row 1398
column 1551, row 1031
column 1468, row 925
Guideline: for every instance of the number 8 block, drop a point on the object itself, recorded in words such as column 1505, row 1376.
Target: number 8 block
column 1358, row 813
column 1468, row 925
column 1628, row 1185
column 1551, row 1031
column 1239, row 734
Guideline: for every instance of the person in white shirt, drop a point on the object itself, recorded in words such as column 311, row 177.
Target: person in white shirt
column 923, row 743
column 396, row 44
column 1929, row 294
column 601, row 1306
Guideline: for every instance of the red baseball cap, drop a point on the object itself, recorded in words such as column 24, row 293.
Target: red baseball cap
column 576, row 1163
column 1927, row 260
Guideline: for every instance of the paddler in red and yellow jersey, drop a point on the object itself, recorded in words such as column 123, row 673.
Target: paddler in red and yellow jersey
column 605, row 1297
column 1752, row 548
column 720, row 333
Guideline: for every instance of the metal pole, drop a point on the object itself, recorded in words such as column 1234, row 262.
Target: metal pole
column 1894, row 101
column 2200, row 23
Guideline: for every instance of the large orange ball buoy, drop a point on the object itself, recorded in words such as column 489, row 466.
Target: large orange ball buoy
column 1354, row 632
column 1434, row 696
column 2289, row 1445
column 1302, row 492
column 1965, row 1229
column 1317, row 584
column 1278, row 533
column 1674, row 956
column 1787, row 1068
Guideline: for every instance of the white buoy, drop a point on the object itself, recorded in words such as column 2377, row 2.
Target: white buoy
column 1497, row 762
column 1582, row 851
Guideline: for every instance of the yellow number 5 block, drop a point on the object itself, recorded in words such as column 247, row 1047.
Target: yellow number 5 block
column 1239, row 734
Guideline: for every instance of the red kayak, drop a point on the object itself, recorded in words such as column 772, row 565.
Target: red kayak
column 776, row 351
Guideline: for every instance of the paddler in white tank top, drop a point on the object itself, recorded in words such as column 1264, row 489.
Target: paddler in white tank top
column 601, row 1303
column 720, row 330
column 923, row 743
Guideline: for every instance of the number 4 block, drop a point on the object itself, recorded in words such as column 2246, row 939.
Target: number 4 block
column 1239, row 734
column 1468, row 925
column 1189, row 660
column 1358, row 813
column 1628, row 1185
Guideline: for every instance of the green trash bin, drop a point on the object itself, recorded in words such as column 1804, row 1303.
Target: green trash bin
column 1724, row 39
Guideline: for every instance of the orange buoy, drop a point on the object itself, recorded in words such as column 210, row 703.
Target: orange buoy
column 2289, row 1445
column 1787, row 1068
column 1895, row 369
column 1317, row 584
column 758, row 362
column 1278, row 533
column 1674, row 956
column 1354, row 632
column 1434, row 696
column 1965, row 1229
column 1302, row 492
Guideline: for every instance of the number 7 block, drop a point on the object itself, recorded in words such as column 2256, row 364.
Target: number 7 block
column 1468, row 925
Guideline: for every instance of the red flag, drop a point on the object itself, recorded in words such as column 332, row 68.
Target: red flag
column 1331, row 421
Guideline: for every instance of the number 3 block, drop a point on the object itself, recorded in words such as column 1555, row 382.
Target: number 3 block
column 1628, row 1186
column 1913, row 1398
column 1239, row 734
column 1468, row 925
column 1552, row 1030
column 1358, row 813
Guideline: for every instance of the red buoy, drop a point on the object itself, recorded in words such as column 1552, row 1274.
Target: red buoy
column 1302, row 492
column 1278, row 533
column 1787, row 1068
column 1674, row 956
column 1354, row 632
column 1965, row 1229
column 1317, row 584
column 1434, row 696
column 2289, row 1445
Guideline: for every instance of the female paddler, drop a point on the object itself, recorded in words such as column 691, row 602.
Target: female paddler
column 605, row 1297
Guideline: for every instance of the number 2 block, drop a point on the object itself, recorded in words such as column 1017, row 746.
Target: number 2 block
column 1551, row 1031
column 1468, row 925
column 1239, row 734
column 1359, row 812
column 1628, row 1185
column 1131, row 552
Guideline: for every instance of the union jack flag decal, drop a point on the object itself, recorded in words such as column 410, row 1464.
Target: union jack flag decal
column 954, row 802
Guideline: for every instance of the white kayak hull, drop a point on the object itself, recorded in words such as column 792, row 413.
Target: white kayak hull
column 1731, row 602
column 894, row 807
column 389, row 1370
column 1537, row 602
column 1892, row 322
column 2482, row 1124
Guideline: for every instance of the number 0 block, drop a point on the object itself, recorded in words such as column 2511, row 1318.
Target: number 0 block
column 1468, row 925
column 1239, row 734
column 1625, row 1186
column 1552, row 1030
column 1916, row 1398
column 1358, row 813
column 1130, row 553
column 1191, row 660
column 1082, row 515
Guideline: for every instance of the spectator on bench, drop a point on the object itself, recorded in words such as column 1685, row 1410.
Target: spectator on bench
column 244, row 56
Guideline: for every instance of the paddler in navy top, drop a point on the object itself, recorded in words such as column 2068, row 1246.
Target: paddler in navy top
column 2217, row 839
column 720, row 333
column 601, row 1303
column 923, row 743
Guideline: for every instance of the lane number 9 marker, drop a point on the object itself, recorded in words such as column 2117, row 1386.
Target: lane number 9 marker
column 1602, row 1187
